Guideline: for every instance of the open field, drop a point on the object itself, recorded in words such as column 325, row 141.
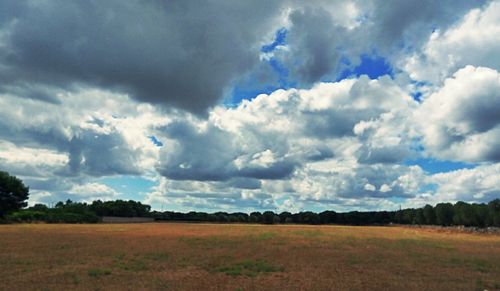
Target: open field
column 244, row 257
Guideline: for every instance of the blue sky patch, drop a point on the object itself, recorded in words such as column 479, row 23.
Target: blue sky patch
column 245, row 93
column 417, row 96
column 374, row 66
column 155, row 141
column 251, row 87
column 434, row 166
column 280, row 39
column 131, row 187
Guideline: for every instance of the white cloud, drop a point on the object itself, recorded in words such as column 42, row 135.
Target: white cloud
column 16, row 156
column 268, row 137
column 385, row 188
column 479, row 184
column 472, row 41
column 369, row 187
column 98, row 132
column 461, row 121
column 302, row 146
column 91, row 191
column 78, row 139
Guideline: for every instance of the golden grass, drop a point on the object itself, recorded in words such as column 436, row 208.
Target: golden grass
column 168, row 256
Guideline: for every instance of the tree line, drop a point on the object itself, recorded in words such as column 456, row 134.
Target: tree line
column 13, row 196
column 80, row 212
column 445, row 214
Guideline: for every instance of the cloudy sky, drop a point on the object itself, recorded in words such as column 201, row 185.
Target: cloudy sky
column 252, row 105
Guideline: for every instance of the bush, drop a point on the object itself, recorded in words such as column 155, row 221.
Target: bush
column 53, row 216
column 27, row 216
column 68, row 217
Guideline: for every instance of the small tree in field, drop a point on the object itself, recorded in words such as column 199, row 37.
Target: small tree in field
column 13, row 194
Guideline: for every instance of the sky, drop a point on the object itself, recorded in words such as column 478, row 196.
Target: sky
column 252, row 105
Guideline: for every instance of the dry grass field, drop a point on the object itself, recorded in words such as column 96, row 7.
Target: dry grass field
column 167, row 256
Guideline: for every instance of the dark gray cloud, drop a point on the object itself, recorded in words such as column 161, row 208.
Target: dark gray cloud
column 202, row 156
column 41, row 135
column 244, row 183
column 101, row 155
column 185, row 54
column 384, row 154
column 49, row 184
column 319, row 153
column 175, row 52
column 211, row 155
column 322, row 41
column 335, row 123
column 409, row 23
column 480, row 113
column 277, row 170
column 314, row 41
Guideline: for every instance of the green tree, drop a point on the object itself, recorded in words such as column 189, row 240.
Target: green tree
column 268, row 217
column 494, row 207
column 39, row 207
column 328, row 216
column 419, row 216
column 310, row 217
column 444, row 214
column 13, row 194
column 429, row 214
column 464, row 214
column 284, row 215
column 255, row 217
column 482, row 215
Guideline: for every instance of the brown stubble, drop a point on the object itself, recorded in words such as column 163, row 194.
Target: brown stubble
column 176, row 256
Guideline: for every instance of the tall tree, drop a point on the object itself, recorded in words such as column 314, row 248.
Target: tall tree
column 13, row 194
column 268, row 217
column 429, row 214
column 444, row 214
column 494, row 207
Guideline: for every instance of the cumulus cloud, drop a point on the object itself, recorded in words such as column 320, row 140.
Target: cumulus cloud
column 476, row 185
column 461, row 121
column 326, row 37
column 268, row 137
column 209, row 196
column 92, row 191
column 276, row 144
column 95, row 139
column 30, row 161
column 359, row 182
column 471, row 41
column 479, row 184
column 89, row 134
column 70, row 189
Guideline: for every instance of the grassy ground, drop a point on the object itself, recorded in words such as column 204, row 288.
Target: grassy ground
column 164, row 256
